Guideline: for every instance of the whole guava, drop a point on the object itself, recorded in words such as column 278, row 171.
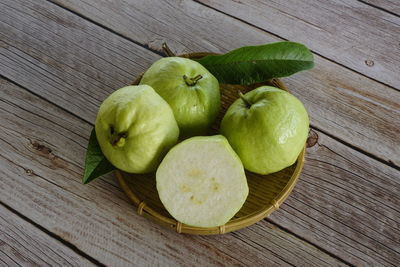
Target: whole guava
column 135, row 128
column 190, row 89
column 267, row 127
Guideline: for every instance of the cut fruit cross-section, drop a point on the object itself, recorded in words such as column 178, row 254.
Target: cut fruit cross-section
column 201, row 181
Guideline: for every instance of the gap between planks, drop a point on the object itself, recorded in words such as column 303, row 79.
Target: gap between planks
column 49, row 102
column 358, row 148
column 305, row 240
column 93, row 260
column 388, row 163
column 53, row 235
column 324, row 256
column 285, row 39
column 145, row 46
column 382, row 8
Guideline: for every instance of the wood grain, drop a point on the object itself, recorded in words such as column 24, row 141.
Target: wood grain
column 94, row 62
column 349, row 32
column 64, row 58
column 42, row 148
column 391, row 6
column 342, row 187
column 344, row 202
column 22, row 244
column 42, row 151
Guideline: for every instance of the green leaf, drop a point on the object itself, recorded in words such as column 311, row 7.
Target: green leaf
column 253, row 64
column 96, row 163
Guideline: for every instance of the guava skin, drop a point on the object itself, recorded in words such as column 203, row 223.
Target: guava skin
column 267, row 129
column 135, row 128
column 195, row 105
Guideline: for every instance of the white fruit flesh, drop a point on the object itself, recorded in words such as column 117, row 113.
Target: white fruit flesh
column 201, row 181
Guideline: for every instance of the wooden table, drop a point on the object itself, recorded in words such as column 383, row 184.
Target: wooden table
column 60, row 58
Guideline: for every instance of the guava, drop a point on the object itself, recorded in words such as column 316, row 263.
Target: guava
column 267, row 127
column 189, row 88
column 135, row 128
column 201, row 181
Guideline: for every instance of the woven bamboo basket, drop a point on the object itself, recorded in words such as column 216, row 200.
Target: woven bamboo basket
column 266, row 192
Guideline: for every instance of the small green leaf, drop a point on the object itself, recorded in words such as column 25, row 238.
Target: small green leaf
column 95, row 164
column 253, row 64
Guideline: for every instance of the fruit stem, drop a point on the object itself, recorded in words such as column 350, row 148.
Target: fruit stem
column 192, row 81
column 245, row 100
column 118, row 139
column 167, row 51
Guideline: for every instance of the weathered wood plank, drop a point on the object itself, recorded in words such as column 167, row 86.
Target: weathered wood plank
column 41, row 155
column 342, row 187
column 93, row 62
column 391, row 6
column 327, row 210
column 22, row 244
column 345, row 202
column 356, row 35
column 353, row 249
column 65, row 58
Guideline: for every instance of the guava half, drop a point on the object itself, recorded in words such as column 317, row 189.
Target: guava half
column 201, row 181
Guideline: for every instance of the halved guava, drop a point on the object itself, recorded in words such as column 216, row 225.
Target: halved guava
column 201, row 181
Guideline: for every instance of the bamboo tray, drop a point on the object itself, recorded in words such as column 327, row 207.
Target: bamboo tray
column 266, row 192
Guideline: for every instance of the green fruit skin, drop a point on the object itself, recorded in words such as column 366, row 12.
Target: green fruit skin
column 195, row 107
column 149, row 124
column 270, row 134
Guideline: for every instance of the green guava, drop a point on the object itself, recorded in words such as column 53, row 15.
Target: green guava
column 135, row 128
column 267, row 127
column 190, row 89
column 201, row 181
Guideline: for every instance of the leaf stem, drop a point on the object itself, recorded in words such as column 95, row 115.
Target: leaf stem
column 167, row 51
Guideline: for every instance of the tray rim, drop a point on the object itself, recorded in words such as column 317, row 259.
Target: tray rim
column 234, row 224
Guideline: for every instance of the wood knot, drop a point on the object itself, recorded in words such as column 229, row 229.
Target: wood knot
column 47, row 152
column 312, row 138
column 369, row 62
column 42, row 148
column 29, row 172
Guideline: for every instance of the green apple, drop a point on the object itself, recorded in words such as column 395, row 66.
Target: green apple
column 201, row 181
column 189, row 88
column 267, row 127
column 135, row 128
